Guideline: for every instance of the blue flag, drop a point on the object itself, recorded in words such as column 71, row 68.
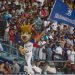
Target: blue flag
column 62, row 13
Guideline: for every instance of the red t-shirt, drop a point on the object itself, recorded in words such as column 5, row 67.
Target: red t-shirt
column 36, row 45
column 44, row 13
column 12, row 35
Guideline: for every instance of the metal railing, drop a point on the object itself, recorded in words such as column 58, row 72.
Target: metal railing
column 15, row 52
column 9, row 52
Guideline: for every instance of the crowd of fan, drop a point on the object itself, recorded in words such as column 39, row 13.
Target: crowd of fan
column 6, row 68
column 58, row 43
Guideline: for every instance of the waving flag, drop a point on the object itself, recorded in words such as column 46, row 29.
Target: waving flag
column 62, row 13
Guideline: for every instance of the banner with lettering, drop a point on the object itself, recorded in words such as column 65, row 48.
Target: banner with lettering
column 62, row 13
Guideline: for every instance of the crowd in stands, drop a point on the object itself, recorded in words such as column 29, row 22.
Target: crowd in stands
column 58, row 43
column 6, row 68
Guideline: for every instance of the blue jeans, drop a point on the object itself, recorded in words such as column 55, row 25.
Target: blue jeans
column 35, row 54
column 49, row 55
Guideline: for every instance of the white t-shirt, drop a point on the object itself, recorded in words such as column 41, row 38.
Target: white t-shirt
column 71, row 56
column 41, row 54
column 59, row 50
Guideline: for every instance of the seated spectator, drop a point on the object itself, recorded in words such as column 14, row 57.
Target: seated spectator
column 67, row 67
column 36, row 68
column 16, row 67
column 1, row 68
column 47, row 69
column 5, row 68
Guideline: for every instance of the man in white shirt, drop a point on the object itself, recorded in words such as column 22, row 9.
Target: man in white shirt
column 42, row 56
column 71, row 55
column 58, row 53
